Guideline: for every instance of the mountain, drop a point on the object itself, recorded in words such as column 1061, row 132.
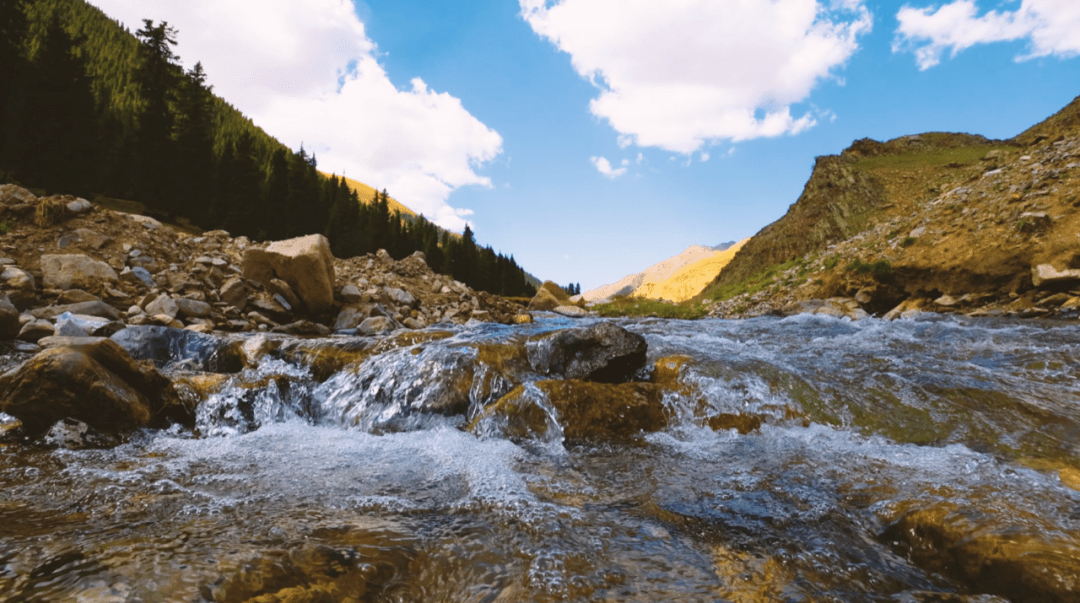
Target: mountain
column 641, row 283
column 689, row 280
column 936, row 221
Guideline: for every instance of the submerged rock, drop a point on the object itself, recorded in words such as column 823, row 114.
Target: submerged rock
column 98, row 384
column 584, row 410
column 604, row 353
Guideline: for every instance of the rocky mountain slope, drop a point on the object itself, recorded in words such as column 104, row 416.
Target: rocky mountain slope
column 941, row 222
column 642, row 283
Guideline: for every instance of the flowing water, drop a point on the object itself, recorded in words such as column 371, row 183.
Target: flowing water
column 907, row 461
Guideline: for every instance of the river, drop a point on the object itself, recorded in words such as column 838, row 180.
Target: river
column 911, row 461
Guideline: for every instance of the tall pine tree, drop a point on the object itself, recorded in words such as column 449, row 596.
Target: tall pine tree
column 156, row 77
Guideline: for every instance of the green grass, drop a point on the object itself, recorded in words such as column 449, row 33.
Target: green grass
column 752, row 284
column 907, row 242
column 632, row 306
column 936, row 158
column 878, row 269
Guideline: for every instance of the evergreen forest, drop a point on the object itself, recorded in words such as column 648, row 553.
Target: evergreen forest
column 91, row 109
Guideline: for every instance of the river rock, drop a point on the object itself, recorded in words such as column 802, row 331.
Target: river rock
column 36, row 330
column 83, row 325
column 909, row 308
column 90, row 308
column 604, row 352
column 375, row 325
column 75, row 271
column 282, row 291
column 351, row 316
column 98, row 384
column 571, row 311
column 172, row 347
column 18, row 279
column 193, row 308
column 163, row 305
column 585, row 410
column 305, row 263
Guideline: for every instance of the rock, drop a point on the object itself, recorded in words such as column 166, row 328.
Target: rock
column 17, row 278
column 163, row 305
column 140, row 274
column 548, row 297
column 9, row 320
column 168, row 347
column 261, row 319
column 350, row 317
column 79, row 206
column 76, row 435
column 523, row 318
column 149, row 264
column 98, row 384
column 376, row 325
column 234, row 293
column 946, row 301
column 837, row 307
column 1045, row 275
column 36, row 330
column 908, row 308
column 280, row 288
column 11, row 194
column 585, row 410
column 350, row 294
column 917, row 232
column 89, row 308
column 148, row 222
column 193, row 308
column 83, row 325
column 604, row 352
column 75, row 271
column 76, row 296
column 571, row 311
column 305, row 263
column 92, row 238
column 401, row 297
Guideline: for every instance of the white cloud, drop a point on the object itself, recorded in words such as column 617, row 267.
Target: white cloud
column 306, row 71
column 1052, row 27
column 604, row 167
column 704, row 156
column 682, row 74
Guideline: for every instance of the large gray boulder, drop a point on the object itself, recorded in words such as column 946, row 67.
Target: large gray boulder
column 305, row 263
column 605, row 353
column 75, row 271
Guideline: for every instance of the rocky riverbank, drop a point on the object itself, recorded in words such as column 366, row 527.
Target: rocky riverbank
column 72, row 269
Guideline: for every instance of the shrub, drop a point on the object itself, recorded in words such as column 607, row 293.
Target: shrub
column 907, row 242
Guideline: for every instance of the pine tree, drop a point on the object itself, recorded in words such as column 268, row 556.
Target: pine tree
column 195, row 146
column 57, row 136
column 277, row 195
column 156, row 77
column 12, row 32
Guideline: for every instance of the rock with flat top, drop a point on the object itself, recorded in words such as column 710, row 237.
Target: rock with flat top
column 305, row 263
column 1045, row 275
column 76, row 271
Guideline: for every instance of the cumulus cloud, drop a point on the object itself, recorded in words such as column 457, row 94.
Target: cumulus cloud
column 604, row 167
column 682, row 74
column 1052, row 27
column 306, row 72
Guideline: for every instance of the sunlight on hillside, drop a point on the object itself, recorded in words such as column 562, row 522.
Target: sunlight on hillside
column 689, row 280
column 367, row 193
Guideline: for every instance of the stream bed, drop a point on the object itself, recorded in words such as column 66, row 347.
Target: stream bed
column 805, row 459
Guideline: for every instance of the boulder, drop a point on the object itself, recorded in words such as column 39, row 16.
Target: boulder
column 350, row 294
column 571, row 311
column 83, row 325
column 75, row 271
column 585, row 410
column 11, row 194
column 604, row 352
column 909, row 308
column 400, row 297
column 1045, row 275
column 305, row 263
column 98, row 384
column 171, row 347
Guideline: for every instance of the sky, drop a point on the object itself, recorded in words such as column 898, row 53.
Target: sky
column 594, row 138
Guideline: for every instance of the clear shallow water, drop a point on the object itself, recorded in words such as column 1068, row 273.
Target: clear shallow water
column 893, row 459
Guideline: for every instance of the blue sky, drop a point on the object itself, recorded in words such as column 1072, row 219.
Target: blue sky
column 503, row 113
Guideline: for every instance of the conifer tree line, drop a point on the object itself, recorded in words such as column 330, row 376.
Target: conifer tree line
column 88, row 108
column 573, row 289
